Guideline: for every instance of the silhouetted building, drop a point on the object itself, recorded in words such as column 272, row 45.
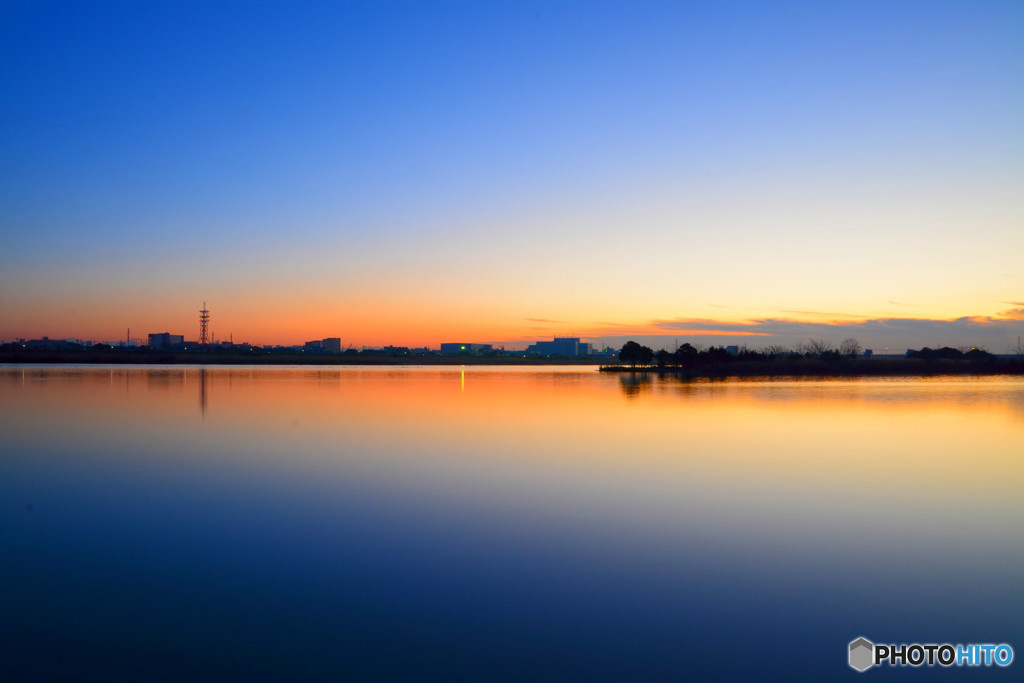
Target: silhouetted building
column 566, row 347
column 329, row 345
column 458, row 349
column 164, row 340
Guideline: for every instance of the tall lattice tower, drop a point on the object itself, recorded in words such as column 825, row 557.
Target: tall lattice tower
column 204, row 325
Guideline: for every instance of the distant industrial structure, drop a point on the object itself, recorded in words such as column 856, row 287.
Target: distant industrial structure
column 564, row 347
column 559, row 347
column 204, row 326
column 165, row 340
column 464, row 349
column 328, row 345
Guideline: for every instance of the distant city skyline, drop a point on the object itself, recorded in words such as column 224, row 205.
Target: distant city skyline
column 993, row 334
column 411, row 173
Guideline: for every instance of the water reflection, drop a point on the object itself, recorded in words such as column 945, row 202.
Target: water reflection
column 634, row 383
column 318, row 523
column 202, row 392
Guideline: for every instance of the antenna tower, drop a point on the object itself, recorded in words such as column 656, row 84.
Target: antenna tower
column 204, row 325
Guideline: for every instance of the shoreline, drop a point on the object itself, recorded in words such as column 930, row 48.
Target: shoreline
column 875, row 367
column 151, row 357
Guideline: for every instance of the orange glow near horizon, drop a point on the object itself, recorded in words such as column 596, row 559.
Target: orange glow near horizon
column 420, row 319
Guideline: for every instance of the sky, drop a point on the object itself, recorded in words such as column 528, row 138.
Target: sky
column 412, row 173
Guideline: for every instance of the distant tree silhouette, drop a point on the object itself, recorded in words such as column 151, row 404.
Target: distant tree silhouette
column 635, row 354
column 850, row 347
column 716, row 355
column 949, row 353
column 945, row 353
column 751, row 355
column 816, row 348
column 685, row 355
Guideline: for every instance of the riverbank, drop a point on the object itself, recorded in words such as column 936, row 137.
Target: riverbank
column 144, row 356
column 861, row 367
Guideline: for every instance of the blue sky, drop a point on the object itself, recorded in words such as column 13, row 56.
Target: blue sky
column 463, row 167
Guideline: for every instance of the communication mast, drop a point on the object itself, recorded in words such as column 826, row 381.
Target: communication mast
column 204, row 324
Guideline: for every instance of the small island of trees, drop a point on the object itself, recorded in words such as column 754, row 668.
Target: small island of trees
column 813, row 358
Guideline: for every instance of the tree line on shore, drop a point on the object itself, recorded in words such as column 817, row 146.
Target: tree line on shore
column 689, row 356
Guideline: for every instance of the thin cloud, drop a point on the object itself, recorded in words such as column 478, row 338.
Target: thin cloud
column 819, row 313
column 680, row 326
column 545, row 320
column 703, row 326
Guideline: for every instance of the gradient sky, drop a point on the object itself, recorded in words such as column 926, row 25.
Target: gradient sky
column 412, row 173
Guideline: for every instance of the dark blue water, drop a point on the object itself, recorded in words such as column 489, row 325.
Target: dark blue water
column 279, row 526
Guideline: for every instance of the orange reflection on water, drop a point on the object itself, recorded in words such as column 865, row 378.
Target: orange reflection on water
column 958, row 440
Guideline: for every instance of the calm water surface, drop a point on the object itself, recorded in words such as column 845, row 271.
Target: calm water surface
column 499, row 523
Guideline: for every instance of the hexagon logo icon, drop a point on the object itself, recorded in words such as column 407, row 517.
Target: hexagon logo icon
column 862, row 654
